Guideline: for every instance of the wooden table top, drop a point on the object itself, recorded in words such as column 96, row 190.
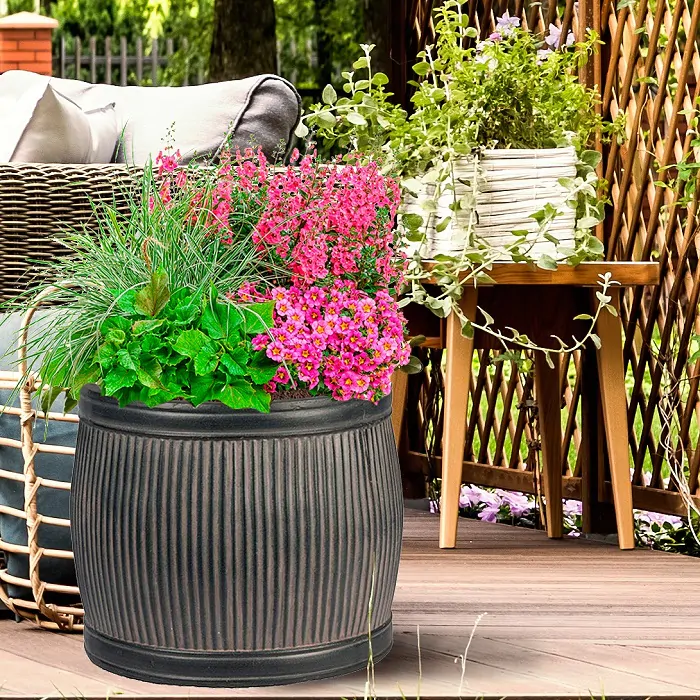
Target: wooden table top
column 587, row 274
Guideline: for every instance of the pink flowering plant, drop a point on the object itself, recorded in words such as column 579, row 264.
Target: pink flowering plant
column 235, row 282
column 329, row 232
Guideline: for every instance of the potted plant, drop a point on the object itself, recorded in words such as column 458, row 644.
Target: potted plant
column 236, row 502
column 492, row 157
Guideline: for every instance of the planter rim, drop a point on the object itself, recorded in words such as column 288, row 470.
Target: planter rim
column 214, row 420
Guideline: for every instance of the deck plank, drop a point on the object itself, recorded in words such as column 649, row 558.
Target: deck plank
column 563, row 619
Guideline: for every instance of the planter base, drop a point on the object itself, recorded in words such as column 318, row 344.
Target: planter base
column 239, row 669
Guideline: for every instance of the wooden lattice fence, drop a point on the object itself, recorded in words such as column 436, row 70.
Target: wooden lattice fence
column 647, row 72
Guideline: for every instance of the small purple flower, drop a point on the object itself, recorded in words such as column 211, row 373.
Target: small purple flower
column 490, row 514
column 518, row 503
column 470, row 496
column 495, row 36
column 506, row 24
column 572, row 507
column 553, row 39
column 542, row 55
column 661, row 519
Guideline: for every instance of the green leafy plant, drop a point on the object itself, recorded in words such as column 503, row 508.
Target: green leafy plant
column 143, row 306
column 184, row 346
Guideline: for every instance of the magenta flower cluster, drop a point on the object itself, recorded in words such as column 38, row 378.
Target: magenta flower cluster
column 337, row 338
column 325, row 222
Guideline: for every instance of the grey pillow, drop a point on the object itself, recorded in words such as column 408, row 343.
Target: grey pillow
column 263, row 110
column 43, row 126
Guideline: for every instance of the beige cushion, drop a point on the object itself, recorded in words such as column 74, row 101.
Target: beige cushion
column 262, row 110
column 45, row 126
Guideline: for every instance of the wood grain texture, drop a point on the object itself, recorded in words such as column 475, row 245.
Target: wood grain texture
column 587, row 274
column 563, row 618
column 548, row 395
column 457, row 383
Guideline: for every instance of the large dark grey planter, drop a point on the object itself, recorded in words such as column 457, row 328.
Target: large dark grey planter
column 232, row 548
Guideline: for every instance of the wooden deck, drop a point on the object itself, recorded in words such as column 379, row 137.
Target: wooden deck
column 564, row 619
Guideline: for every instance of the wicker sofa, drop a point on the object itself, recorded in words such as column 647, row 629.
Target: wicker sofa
column 37, row 203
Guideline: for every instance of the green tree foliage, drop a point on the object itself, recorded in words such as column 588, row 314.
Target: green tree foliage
column 316, row 39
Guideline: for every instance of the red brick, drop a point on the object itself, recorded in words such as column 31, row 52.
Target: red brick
column 44, row 68
column 42, row 35
column 32, row 45
column 6, row 45
column 19, row 56
column 20, row 34
column 8, row 65
column 42, row 56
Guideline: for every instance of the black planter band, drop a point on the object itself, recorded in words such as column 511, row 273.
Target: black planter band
column 238, row 669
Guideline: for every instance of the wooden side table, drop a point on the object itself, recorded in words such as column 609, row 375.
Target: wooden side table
column 539, row 303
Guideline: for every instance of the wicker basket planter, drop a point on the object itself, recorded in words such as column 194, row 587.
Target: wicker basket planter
column 231, row 548
column 515, row 183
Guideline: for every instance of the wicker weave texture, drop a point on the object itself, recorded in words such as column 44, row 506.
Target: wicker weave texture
column 34, row 605
column 38, row 202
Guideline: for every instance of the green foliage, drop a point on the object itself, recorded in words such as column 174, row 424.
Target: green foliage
column 144, row 312
column 363, row 119
column 102, row 18
column 185, row 346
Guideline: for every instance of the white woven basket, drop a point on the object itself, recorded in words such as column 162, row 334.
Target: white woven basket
column 514, row 184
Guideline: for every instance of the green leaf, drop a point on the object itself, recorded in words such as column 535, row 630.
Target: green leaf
column 149, row 374
column 239, row 394
column 119, row 378
column 326, row 119
column 190, row 343
column 233, row 365
column 583, row 317
column 360, row 63
column 591, row 158
column 146, row 325
column 151, row 342
column 221, row 320
column 156, row 397
column 380, row 79
column 422, row 68
column 126, row 300
column 412, row 221
column 546, row 262
column 126, row 360
column 151, row 299
column 206, row 360
column 413, row 366
column 107, row 355
column 356, row 118
column 262, row 369
column 596, row 341
column 116, row 336
column 302, row 131
column 49, row 396
column 329, row 95
column 258, row 317
column 201, row 389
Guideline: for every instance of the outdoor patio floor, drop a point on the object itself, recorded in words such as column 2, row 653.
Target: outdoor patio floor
column 564, row 619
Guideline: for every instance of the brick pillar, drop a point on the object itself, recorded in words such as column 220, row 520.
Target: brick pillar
column 25, row 43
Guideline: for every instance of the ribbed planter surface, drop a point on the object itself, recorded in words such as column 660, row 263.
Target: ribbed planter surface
column 233, row 548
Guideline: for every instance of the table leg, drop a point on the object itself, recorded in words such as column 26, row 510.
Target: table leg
column 457, row 385
column 547, row 388
column 399, row 387
column 614, row 399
